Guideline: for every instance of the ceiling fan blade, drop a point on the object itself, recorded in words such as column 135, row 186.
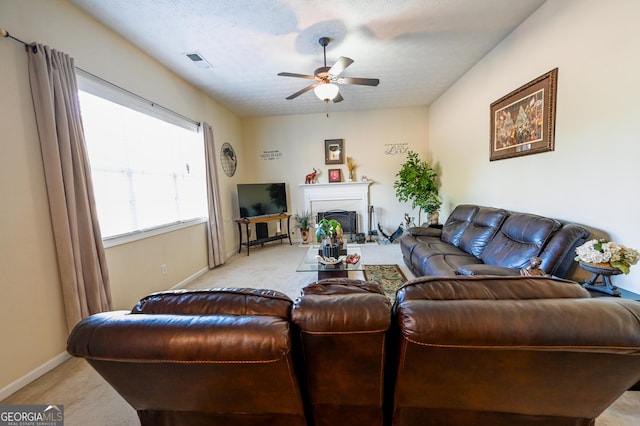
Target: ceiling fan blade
column 340, row 65
column 360, row 81
column 338, row 98
column 290, row 74
column 300, row 92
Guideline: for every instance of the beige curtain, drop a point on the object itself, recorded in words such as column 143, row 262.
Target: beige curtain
column 81, row 258
column 215, row 235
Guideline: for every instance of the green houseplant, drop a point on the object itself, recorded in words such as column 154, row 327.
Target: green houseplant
column 329, row 228
column 417, row 182
column 303, row 223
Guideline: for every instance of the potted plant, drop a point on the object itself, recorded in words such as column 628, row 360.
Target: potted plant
column 417, row 182
column 329, row 234
column 303, row 223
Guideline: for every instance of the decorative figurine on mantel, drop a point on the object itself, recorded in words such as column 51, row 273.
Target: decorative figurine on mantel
column 605, row 258
column 311, row 177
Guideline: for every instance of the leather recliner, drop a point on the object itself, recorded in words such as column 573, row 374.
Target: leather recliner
column 202, row 357
column 504, row 350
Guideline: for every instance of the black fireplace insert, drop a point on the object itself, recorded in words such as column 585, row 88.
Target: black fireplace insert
column 348, row 220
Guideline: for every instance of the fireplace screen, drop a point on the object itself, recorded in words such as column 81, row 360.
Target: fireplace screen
column 348, row 220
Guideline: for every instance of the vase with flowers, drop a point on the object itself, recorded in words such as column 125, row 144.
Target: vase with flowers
column 351, row 166
column 607, row 254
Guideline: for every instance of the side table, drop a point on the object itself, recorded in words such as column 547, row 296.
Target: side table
column 606, row 273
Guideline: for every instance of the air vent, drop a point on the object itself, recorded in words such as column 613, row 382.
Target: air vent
column 197, row 59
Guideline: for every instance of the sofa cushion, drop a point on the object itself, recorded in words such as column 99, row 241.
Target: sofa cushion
column 424, row 231
column 481, row 230
column 489, row 288
column 446, row 264
column 521, row 236
column 457, row 222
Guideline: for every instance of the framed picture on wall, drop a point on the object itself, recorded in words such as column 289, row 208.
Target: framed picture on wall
column 523, row 122
column 334, row 151
column 335, row 175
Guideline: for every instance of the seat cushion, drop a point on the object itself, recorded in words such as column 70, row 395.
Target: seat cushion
column 446, row 264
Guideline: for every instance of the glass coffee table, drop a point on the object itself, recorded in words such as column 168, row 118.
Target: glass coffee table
column 309, row 263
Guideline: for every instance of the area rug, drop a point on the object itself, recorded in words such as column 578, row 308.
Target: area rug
column 389, row 277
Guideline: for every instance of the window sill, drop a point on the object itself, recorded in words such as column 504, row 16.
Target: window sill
column 117, row 240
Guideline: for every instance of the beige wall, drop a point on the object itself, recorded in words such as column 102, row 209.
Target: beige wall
column 32, row 325
column 368, row 135
column 593, row 174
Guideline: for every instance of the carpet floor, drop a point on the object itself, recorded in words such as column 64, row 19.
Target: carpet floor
column 89, row 400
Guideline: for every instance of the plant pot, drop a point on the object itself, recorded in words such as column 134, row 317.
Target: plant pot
column 304, row 233
column 331, row 250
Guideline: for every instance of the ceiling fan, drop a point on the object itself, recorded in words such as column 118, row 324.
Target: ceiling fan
column 325, row 78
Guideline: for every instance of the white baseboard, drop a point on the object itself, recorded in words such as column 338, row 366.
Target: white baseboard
column 23, row 381
column 189, row 279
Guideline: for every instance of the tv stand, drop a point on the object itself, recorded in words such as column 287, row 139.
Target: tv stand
column 261, row 240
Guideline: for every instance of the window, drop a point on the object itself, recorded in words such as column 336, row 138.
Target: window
column 147, row 172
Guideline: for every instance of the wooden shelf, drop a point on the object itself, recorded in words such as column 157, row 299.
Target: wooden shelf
column 247, row 221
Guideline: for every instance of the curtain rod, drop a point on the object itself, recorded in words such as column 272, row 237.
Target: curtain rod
column 4, row 33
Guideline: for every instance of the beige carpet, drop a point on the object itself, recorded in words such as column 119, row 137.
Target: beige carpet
column 89, row 400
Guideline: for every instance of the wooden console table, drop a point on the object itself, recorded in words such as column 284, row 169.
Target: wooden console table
column 247, row 221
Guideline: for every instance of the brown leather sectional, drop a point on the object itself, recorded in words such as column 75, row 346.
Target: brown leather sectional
column 467, row 350
column 478, row 240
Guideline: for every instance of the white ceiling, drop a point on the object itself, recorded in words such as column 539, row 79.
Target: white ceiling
column 417, row 48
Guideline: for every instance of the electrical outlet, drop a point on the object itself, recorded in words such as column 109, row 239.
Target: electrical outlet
column 163, row 269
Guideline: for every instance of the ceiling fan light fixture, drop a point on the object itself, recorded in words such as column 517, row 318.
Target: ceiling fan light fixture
column 326, row 92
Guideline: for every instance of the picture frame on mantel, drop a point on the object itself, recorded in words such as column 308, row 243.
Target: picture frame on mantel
column 523, row 122
column 335, row 175
column 334, row 151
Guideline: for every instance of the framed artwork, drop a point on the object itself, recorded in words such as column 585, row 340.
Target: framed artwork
column 523, row 122
column 335, row 175
column 334, row 151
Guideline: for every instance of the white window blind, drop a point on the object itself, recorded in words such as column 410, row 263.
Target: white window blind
column 147, row 173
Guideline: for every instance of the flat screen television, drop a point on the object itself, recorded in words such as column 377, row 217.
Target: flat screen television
column 261, row 199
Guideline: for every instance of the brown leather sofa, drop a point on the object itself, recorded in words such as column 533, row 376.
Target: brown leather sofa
column 219, row 356
column 475, row 350
column 477, row 240
column 510, row 351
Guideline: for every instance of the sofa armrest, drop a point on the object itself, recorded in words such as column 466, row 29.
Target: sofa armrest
column 484, row 269
column 424, row 231
column 122, row 336
column 216, row 301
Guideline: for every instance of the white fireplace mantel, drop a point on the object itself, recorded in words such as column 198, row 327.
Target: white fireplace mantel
column 339, row 191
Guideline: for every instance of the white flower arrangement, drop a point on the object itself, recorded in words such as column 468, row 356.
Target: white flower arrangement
column 607, row 253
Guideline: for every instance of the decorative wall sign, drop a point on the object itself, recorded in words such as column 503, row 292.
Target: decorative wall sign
column 273, row 154
column 396, row 148
column 523, row 122
column 334, row 151
column 228, row 159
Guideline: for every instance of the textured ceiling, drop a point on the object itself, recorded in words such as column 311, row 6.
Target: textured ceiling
column 417, row 48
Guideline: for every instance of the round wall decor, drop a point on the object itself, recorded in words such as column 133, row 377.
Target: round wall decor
column 228, row 159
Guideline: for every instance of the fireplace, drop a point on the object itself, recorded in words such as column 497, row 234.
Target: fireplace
column 348, row 220
column 346, row 196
